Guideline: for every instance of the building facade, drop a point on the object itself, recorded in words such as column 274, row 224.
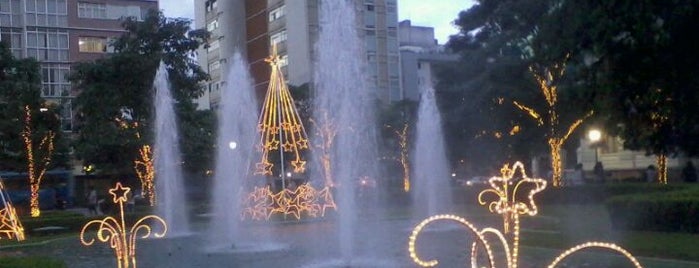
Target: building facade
column 60, row 33
column 419, row 52
column 292, row 26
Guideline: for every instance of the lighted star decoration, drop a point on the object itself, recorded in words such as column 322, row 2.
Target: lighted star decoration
column 305, row 200
column 506, row 203
column 121, row 238
column 10, row 225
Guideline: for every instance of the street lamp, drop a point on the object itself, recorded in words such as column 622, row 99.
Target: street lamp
column 594, row 135
column 232, row 145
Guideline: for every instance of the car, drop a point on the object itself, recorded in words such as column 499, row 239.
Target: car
column 474, row 181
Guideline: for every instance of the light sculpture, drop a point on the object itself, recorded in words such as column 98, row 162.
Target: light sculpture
column 10, row 225
column 556, row 138
column 661, row 160
column 114, row 231
column 404, row 162
column 281, row 130
column 36, row 167
column 505, row 190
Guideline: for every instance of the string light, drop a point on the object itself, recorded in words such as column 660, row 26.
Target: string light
column 261, row 203
column 10, row 225
column 405, row 163
column 661, row 160
column 36, row 169
column 505, row 189
column 145, row 170
column 279, row 124
column 547, row 84
column 325, row 131
column 114, row 231
column 602, row 245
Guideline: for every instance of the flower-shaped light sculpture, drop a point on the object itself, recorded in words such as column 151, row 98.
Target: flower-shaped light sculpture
column 510, row 204
column 120, row 237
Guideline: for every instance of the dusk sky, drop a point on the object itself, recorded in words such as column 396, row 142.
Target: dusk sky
column 433, row 13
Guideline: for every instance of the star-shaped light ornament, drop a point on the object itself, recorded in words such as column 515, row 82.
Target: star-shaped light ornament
column 506, row 190
column 299, row 165
column 263, row 168
column 119, row 193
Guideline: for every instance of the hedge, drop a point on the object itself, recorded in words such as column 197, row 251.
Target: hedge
column 31, row 262
column 674, row 211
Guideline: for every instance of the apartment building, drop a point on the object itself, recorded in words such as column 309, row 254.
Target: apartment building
column 419, row 52
column 59, row 33
column 255, row 26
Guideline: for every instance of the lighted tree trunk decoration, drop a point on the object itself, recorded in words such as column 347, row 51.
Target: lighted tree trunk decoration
column 325, row 131
column 36, row 167
column 146, row 172
column 404, row 158
column 556, row 138
column 661, row 160
column 143, row 165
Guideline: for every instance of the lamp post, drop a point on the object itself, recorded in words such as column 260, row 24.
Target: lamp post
column 594, row 135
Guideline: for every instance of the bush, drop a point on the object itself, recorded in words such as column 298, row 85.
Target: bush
column 674, row 211
column 31, row 262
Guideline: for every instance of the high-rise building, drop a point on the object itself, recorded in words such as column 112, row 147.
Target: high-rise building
column 419, row 53
column 254, row 26
column 59, row 33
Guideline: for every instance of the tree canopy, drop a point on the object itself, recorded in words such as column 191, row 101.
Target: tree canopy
column 20, row 87
column 630, row 61
column 115, row 104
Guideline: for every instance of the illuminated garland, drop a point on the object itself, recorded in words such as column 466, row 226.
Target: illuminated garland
column 115, row 231
column 10, row 226
column 36, row 170
column 505, row 189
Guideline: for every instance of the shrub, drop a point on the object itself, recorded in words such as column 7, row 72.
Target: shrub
column 674, row 211
column 31, row 262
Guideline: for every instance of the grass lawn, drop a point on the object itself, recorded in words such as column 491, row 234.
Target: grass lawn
column 577, row 224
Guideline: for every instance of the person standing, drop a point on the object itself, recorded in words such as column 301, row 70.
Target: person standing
column 599, row 172
column 92, row 201
column 689, row 173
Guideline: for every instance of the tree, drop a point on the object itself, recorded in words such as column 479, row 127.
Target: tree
column 637, row 60
column 30, row 127
column 115, row 103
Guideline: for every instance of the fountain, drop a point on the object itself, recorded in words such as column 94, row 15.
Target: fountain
column 344, row 99
column 237, row 135
column 171, row 197
column 431, row 194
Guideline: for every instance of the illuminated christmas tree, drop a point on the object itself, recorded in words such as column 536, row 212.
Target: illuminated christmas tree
column 283, row 140
column 10, row 226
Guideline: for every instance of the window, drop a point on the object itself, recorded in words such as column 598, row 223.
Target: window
column 284, row 61
column 214, row 45
column 392, row 31
column 92, row 44
column 211, row 26
column 53, row 80
column 370, row 7
column 92, row 10
column 277, row 13
column 390, row 7
column 211, row 5
column 214, row 66
column 46, row 13
column 277, row 38
column 370, row 32
column 47, row 44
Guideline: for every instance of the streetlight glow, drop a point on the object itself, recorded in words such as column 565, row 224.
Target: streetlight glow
column 594, row 135
column 232, row 145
